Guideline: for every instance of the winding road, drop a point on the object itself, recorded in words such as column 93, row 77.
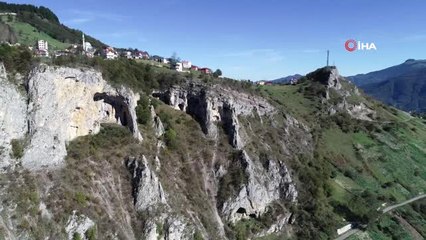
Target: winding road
column 385, row 210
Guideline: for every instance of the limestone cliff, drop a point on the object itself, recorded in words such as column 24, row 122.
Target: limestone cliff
column 221, row 107
column 148, row 193
column 264, row 186
column 63, row 103
column 13, row 117
column 150, row 198
column 215, row 105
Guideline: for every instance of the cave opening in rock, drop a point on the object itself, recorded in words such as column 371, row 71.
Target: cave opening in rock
column 181, row 106
column 120, row 106
column 242, row 210
column 226, row 113
column 162, row 96
column 197, row 108
column 124, row 118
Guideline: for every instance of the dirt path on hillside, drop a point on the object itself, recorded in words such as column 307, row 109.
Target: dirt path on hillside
column 390, row 208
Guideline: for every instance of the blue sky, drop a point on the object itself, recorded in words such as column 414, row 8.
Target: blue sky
column 252, row 39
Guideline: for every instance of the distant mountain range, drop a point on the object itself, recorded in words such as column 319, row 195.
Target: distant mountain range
column 287, row 79
column 403, row 86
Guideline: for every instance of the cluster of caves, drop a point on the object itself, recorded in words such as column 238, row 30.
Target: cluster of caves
column 195, row 104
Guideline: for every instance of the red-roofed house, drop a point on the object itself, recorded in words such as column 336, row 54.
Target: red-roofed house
column 141, row 55
column 205, row 70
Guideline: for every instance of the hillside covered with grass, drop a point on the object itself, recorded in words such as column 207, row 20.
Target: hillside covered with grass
column 359, row 166
column 33, row 23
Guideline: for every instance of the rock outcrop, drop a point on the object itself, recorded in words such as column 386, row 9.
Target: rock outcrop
column 358, row 111
column 150, row 198
column 150, row 231
column 338, row 87
column 177, row 229
column 63, row 103
column 148, row 193
column 217, row 104
column 157, row 125
column 78, row 226
column 264, row 186
column 278, row 226
column 172, row 228
column 334, row 82
column 13, row 117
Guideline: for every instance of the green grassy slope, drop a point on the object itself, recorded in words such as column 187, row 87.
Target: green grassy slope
column 33, row 22
column 29, row 35
column 366, row 163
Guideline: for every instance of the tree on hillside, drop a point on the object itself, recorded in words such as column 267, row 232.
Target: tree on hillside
column 217, row 73
column 174, row 59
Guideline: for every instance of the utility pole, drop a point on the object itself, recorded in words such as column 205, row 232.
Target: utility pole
column 328, row 56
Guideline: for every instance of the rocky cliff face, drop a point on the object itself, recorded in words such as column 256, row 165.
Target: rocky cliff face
column 147, row 190
column 13, row 117
column 267, row 182
column 264, row 186
column 63, row 103
column 150, row 198
column 217, row 105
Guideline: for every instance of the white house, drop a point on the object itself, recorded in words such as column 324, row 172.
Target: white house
column 110, row 53
column 128, row 55
column 42, row 45
column 42, row 48
column 179, row 67
column 186, row 64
